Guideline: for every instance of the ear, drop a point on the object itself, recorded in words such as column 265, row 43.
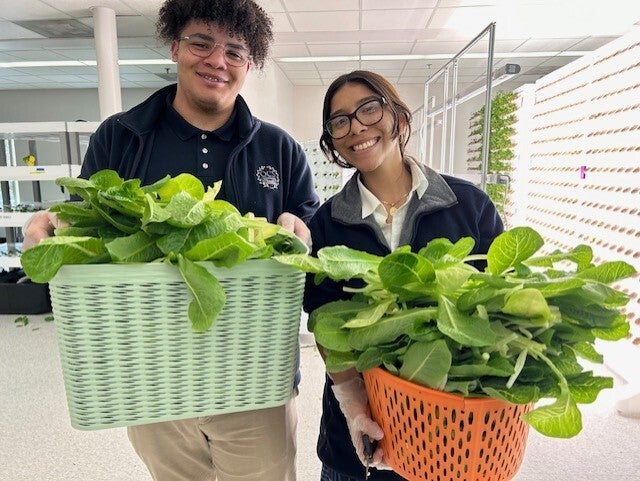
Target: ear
column 174, row 50
column 403, row 123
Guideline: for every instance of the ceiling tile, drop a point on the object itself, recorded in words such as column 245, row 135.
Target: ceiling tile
column 34, row 70
column 464, row 62
column 317, row 6
column 408, row 81
column 281, row 22
column 330, row 76
column 81, row 8
column 395, row 19
column 24, row 78
column 387, row 48
column 6, row 57
column 499, row 45
column 22, row 86
column 11, row 31
column 337, row 66
column 431, row 65
column 61, row 78
column 325, row 21
column 293, row 66
column 331, row 27
column 591, row 43
column 155, row 69
column 289, row 50
column 35, row 55
column 140, row 53
column 144, row 7
column 557, row 61
column 438, row 47
column 33, row 10
column 80, row 85
column 417, row 72
column 134, row 69
column 90, row 78
column 385, row 72
column 271, row 5
column 46, row 85
column 135, row 27
column 140, row 77
column 156, row 84
column 465, row 20
column 77, row 54
column 332, row 49
column 383, row 65
column 398, row 4
column 302, row 74
column 78, row 70
column 547, row 45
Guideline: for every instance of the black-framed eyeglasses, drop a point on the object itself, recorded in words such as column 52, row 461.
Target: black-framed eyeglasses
column 203, row 47
column 367, row 114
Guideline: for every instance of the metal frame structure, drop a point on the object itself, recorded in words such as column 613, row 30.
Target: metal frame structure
column 450, row 102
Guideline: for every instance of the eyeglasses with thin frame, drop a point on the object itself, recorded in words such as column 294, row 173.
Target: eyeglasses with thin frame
column 367, row 114
column 234, row 55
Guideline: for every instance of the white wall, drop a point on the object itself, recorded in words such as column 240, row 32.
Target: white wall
column 59, row 104
column 269, row 95
column 307, row 112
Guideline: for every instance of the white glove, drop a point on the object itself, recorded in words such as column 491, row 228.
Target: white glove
column 352, row 397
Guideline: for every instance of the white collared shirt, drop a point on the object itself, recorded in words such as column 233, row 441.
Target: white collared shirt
column 371, row 205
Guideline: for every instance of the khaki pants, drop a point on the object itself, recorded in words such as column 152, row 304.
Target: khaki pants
column 246, row 446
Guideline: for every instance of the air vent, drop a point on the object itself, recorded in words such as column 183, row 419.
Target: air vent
column 58, row 28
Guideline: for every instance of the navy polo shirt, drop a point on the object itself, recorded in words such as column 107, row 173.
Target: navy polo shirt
column 179, row 147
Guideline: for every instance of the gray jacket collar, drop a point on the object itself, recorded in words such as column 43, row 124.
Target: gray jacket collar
column 346, row 206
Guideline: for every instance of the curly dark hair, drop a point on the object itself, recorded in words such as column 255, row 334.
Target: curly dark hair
column 242, row 19
column 380, row 86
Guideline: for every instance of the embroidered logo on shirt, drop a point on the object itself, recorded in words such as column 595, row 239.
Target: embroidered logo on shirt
column 268, row 177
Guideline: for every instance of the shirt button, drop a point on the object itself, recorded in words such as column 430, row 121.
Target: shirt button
column 205, row 150
column 203, row 136
column 205, row 166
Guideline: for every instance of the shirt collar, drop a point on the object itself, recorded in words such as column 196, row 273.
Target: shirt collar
column 370, row 202
column 185, row 130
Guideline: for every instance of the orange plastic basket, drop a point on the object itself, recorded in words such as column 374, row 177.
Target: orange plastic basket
column 437, row 436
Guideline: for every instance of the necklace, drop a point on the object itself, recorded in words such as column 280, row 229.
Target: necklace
column 392, row 209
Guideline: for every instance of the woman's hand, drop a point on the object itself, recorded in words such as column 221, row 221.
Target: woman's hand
column 352, row 397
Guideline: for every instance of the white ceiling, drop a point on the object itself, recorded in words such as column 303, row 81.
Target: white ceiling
column 307, row 28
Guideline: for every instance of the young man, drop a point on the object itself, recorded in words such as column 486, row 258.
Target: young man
column 203, row 126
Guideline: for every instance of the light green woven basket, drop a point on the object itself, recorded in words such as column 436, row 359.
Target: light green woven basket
column 129, row 355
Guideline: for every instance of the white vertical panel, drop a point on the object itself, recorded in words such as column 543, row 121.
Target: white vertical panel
column 583, row 174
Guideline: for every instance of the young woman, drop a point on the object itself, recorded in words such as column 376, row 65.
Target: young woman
column 391, row 201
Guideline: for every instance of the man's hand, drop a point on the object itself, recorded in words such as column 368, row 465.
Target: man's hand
column 294, row 224
column 40, row 226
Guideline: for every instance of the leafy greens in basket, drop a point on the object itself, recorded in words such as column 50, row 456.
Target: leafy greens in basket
column 174, row 220
column 513, row 332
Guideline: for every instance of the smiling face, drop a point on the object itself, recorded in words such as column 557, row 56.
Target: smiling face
column 367, row 148
column 206, row 86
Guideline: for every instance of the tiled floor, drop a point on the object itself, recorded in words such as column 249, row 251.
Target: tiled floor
column 37, row 442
